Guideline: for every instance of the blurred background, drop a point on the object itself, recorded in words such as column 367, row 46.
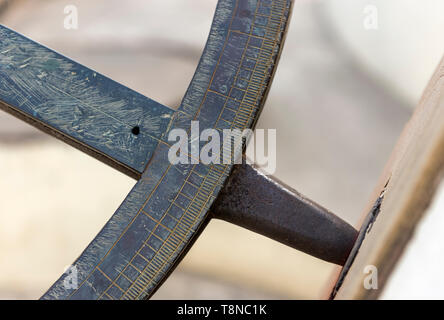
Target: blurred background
column 349, row 77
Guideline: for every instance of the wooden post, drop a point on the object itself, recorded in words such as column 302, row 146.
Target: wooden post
column 412, row 175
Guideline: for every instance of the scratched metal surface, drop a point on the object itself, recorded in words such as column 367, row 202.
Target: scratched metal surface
column 150, row 231
column 78, row 104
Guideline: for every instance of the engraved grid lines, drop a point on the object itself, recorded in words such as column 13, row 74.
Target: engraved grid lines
column 196, row 214
column 208, row 193
column 254, row 87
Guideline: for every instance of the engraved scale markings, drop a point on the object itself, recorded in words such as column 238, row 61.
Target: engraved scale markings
column 149, row 232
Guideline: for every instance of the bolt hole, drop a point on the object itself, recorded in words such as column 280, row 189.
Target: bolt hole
column 136, row 130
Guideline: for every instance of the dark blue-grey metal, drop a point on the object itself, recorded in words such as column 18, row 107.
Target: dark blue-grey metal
column 78, row 105
column 166, row 209
column 267, row 206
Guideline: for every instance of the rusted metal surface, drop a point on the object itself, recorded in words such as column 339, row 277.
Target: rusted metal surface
column 266, row 206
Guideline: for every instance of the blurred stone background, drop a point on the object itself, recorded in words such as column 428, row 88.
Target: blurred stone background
column 340, row 98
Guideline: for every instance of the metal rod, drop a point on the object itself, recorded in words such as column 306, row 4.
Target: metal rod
column 268, row 207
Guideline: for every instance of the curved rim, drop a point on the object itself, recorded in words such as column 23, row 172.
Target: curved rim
column 156, row 223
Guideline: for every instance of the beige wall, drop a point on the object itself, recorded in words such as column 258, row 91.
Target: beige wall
column 404, row 50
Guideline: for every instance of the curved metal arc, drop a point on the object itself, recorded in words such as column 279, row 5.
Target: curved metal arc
column 155, row 224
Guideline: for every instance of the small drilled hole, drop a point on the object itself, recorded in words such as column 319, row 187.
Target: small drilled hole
column 135, row 130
